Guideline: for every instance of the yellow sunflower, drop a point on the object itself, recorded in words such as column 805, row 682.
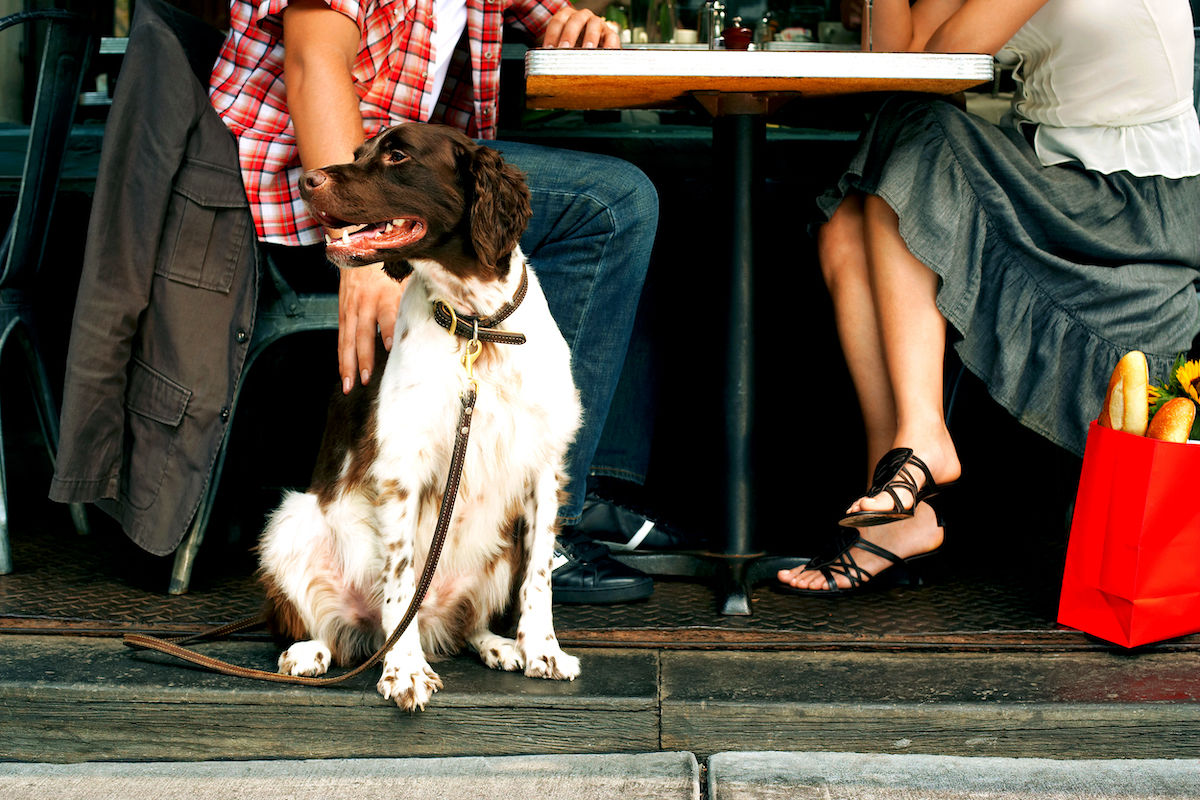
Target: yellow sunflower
column 1188, row 376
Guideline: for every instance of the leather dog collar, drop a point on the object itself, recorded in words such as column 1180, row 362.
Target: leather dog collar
column 469, row 326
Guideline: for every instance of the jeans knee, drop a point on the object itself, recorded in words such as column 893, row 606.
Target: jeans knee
column 633, row 198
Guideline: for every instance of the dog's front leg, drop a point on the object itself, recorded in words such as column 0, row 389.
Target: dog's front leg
column 535, row 629
column 407, row 677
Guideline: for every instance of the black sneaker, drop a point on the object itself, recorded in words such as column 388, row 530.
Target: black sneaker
column 585, row 572
column 622, row 530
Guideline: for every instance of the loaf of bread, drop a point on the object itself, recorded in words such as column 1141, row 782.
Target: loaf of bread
column 1126, row 403
column 1173, row 422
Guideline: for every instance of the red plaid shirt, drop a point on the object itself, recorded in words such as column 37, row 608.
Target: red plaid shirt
column 391, row 74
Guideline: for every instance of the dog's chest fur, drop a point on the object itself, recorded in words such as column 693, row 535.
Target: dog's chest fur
column 525, row 416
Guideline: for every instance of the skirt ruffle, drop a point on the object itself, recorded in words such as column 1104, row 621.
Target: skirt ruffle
column 1048, row 275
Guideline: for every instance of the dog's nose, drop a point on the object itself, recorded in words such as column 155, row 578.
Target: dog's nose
column 313, row 178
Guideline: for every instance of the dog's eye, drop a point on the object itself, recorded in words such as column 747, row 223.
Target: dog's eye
column 395, row 156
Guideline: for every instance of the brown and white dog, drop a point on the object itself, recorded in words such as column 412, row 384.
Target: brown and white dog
column 340, row 560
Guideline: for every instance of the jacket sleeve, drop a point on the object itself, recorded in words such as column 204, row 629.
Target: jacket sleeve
column 140, row 157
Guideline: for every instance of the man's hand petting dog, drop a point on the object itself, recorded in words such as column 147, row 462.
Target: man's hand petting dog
column 368, row 299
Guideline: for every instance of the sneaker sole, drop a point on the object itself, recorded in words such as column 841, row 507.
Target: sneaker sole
column 637, row 591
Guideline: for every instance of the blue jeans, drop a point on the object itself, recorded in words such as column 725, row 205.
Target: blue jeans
column 593, row 226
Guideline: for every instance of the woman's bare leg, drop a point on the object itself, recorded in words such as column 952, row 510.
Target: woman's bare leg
column 913, row 332
column 857, row 255
column 841, row 249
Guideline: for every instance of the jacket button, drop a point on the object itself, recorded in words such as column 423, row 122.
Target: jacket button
column 241, row 336
column 225, row 414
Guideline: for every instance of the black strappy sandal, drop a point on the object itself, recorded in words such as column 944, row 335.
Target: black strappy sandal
column 892, row 473
column 843, row 563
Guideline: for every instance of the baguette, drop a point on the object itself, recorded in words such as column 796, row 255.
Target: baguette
column 1127, row 403
column 1173, row 422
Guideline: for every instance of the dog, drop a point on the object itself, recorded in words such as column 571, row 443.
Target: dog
column 339, row 561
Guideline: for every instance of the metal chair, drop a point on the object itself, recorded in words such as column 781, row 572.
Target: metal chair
column 64, row 58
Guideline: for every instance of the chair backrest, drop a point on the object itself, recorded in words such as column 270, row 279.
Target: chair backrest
column 64, row 58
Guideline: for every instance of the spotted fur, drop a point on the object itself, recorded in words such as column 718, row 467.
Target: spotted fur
column 341, row 560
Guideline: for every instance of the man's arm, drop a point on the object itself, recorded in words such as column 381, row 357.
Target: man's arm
column 320, row 46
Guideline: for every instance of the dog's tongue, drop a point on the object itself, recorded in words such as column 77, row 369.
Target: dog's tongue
column 364, row 239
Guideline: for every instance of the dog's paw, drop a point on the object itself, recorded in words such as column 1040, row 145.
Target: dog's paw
column 409, row 681
column 305, row 658
column 553, row 664
column 502, row 654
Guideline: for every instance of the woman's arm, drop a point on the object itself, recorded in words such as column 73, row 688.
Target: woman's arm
column 948, row 26
column 320, row 46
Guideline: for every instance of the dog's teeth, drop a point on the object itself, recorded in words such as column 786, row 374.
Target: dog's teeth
column 398, row 222
column 346, row 237
column 328, row 240
column 389, row 227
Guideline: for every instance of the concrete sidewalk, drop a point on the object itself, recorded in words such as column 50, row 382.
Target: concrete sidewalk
column 650, row 776
column 849, row 776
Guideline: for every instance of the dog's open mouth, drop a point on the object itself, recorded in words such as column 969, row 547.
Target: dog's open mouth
column 366, row 240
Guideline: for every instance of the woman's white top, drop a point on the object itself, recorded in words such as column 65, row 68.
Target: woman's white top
column 1109, row 84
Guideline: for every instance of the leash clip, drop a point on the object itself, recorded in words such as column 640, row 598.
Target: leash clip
column 474, row 348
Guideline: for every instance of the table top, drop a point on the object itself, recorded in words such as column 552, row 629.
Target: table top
column 666, row 78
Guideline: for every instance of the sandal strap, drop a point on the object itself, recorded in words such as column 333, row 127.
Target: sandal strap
column 882, row 552
column 891, row 473
column 846, row 565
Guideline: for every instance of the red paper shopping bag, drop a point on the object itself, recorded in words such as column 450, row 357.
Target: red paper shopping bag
column 1133, row 561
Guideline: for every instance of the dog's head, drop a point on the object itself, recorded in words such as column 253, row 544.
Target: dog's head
column 419, row 191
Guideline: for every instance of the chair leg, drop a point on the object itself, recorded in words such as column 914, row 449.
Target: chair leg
column 185, row 554
column 5, row 552
column 185, row 558
column 44, row 404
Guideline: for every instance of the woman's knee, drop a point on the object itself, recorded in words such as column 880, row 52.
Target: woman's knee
column 841, row 249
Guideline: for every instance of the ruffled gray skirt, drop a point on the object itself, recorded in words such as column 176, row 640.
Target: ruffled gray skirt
column 1048, row 274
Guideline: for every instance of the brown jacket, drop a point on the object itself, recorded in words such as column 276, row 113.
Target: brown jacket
column 167, row 298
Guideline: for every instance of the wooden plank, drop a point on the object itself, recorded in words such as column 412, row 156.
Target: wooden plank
column 69, row 700
column 72, row 726
column 981, row 729
column 1059, row 706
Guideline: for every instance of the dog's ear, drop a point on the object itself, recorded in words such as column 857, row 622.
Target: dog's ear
column 499, row 205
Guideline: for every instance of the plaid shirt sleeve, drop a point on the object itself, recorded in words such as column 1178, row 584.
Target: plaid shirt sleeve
column 533, row 15
column 267, row 15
